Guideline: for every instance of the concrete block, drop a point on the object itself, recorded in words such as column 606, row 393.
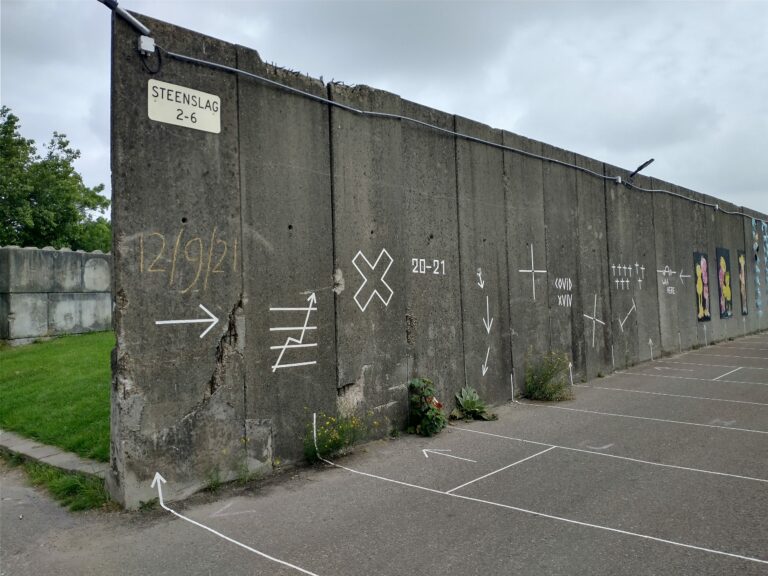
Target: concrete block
column 370, row 254
column 27, row 315
column 526, row 253
column 70, row 313
column 632, row 255
column 4, row 309
column 483, row 254
column 567, row 324
column 178, row 400
column 432, row 271
column 97, row 273
column 287, row 205
column 24, row 270
column 593, row 274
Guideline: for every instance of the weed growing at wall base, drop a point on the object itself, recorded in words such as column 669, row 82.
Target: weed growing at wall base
column 425, row 411
column 335, row 435
column 469, row 406
column 546, row 378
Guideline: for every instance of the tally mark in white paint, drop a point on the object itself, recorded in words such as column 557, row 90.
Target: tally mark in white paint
column 292, row 343
column 384, row 261
column 533, row 273
column 595, row 320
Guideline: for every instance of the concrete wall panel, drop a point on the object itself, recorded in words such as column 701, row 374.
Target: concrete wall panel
column 72, row 313
column 526, row 253
column 484, row 274
column 287, row 260
column 370, row 253
column 632, row 256
column 566, row 315
column 433, row 272
column 178, row 404
column 593, row 274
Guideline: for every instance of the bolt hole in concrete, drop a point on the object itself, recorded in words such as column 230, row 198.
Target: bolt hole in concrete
column 184, row 220
column 290, row 226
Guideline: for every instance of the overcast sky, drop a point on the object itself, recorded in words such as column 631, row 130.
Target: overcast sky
column 683, row 82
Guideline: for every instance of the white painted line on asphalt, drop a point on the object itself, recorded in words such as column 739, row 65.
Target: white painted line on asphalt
column 622, row 373
column 159, row 480
column 724, row 355
column 714, row 365
column 553, row 517
column 672, row 395
column 500, row 469
column 726, row 374
column 649, row 418
column 748, row 348
column 614, row 530
column 616, row 456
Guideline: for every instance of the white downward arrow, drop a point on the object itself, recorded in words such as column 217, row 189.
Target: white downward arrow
column 485, row 364
column 442, row 452
column 481, row 283
column 212, row 320
column 487, row 321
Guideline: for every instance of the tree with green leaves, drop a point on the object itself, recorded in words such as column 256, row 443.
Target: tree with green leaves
column 43, row 200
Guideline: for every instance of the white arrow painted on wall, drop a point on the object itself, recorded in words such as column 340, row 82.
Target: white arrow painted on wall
column 487, row 321
column 212, row 320
column 485, row 364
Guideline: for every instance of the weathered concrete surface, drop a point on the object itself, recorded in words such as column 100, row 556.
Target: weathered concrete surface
column 433, row 273
column 373, row 364
column 287, row 261
column 632, row 255
column 346, row 247
column 561, row 204
column 526, row 250
column 482, row 237
column 593, row 273
column 51, row 292
column 177, row 402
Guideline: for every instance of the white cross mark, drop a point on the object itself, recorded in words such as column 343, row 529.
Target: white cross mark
column 533, row 273
column 595, row 320
column 383, row 254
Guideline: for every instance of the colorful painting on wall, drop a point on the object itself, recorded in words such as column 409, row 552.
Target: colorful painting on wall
column 724, row 282
column 701, row 266
column 756, row 259
column 742, row 258
column 764, row 226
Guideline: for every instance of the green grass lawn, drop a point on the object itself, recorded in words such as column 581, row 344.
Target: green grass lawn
column 57, row 392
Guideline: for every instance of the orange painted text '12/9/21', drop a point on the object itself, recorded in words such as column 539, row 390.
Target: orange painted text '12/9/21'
column 188, row 261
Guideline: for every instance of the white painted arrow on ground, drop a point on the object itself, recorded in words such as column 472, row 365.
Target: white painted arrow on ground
column 159, row 481
column 212, row 320
column 442, row 452
column 485, row 364
column 487, row 321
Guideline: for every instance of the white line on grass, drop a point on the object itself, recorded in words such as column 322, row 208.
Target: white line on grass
column 672, row 395
column 501, row 469
column 649, row 419
column 550, row 516
column 616, row 456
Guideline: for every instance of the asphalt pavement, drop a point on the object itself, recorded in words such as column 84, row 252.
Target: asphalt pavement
column 660, row 469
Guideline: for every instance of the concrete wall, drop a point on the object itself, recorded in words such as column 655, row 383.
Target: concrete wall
column 53, row 292
column 343, row 253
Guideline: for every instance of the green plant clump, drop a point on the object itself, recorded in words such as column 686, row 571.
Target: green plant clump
column 547, row 378
column 425, row 412
column 469, row 406
column 75, row 491
column 335, row 435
